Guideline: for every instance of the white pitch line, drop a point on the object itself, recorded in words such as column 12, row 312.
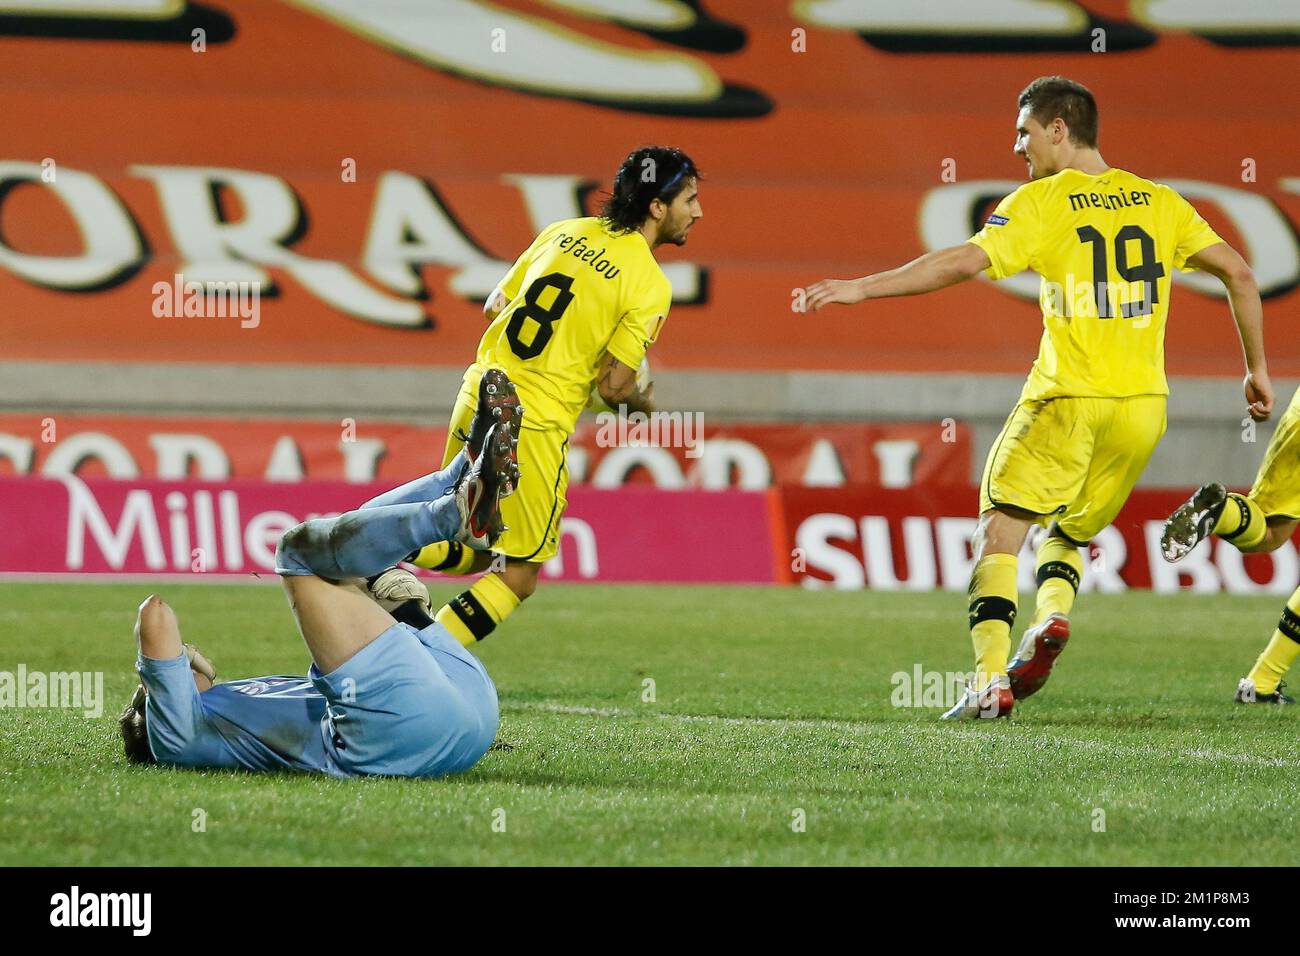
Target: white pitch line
column 808, row 723
column 814, row 723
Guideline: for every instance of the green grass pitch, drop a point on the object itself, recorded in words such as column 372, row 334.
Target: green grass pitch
column 770, row 706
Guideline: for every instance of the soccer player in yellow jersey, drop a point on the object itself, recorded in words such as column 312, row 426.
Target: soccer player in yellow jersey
column 579, row 308
column 1257, row 523
column 1105, row 243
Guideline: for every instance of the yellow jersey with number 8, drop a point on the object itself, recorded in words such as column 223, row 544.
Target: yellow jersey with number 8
column 578, row 291
column 1105, row 247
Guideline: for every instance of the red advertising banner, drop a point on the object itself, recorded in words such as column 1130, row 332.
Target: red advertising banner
column 847, row 538
column 680, row 451
column 919, row 539
column 224, row 529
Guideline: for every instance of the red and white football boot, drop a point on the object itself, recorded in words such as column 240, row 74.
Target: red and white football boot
column 994, row 700
column 1038, row 651
column 497, row 402
column 480, row 489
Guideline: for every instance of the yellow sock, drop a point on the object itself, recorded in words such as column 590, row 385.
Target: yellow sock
column 992, row 612
column 1282, row 650
column 1059, row 570
column 474, row 614
column 446, row 557
column 1242, row 523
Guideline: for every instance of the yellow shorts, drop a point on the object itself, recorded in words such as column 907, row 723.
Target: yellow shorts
column 1073, row 459
column 532, row 514
column 1277, row 486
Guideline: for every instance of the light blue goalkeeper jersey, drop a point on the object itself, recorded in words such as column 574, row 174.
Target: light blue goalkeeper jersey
column 411, row 703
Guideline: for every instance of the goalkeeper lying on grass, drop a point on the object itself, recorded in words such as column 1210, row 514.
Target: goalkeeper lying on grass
column 389, row 691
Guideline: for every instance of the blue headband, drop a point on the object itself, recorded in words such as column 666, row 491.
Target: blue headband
column 685, row 170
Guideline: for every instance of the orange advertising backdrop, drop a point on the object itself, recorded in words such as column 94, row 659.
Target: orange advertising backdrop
column 376, row 176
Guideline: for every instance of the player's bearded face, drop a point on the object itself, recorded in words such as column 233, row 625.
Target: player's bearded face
column 682, row 213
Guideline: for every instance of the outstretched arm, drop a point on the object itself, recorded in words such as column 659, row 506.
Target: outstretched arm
column 934, row 270
column 1223, row 262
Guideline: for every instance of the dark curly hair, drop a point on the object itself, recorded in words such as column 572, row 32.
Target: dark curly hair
column 648, row 173
column 134, row 726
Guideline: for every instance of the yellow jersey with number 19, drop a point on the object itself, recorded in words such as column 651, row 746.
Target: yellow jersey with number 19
column 1105, row 247
column 578, row 291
